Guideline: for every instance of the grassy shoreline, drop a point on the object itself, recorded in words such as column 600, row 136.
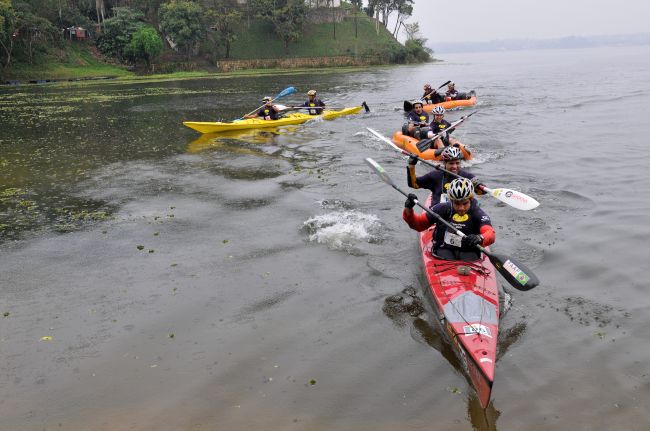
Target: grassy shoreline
column 130, row 77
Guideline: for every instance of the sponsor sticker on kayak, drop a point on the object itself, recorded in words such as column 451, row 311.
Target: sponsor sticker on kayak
column 477, row 328
column 517, row 273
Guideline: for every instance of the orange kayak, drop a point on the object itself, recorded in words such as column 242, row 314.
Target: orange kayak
column 409, row 143
column 451, row 104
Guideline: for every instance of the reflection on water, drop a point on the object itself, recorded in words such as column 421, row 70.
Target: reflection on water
column 407, row 308
column 230, row 139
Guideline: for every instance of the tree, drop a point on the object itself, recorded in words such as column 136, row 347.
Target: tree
column 287, row 17
column 145, row 45
column 100, row 10
column 412, row 30
column 404, row 11
column 225, row 21
column 181, row 20
column 32, row 29
column 415, row 45
column 8, row 32
column 288, row 21
column 118, row 31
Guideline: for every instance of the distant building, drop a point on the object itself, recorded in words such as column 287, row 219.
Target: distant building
column 311, row 3
column 323, row 3
column 76, row 33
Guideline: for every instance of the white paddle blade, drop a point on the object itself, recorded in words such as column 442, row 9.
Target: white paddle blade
column 387, row 140
column 379, row 171
column 514, row 198
column 379, row 135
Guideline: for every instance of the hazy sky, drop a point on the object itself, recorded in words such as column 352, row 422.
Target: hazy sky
column 482, row 20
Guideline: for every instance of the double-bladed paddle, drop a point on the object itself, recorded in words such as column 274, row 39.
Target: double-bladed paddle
column 424, row 144
column 515, row 273
column 408, row 106
column 510, row 197
column 293, row 108
column 287, row 91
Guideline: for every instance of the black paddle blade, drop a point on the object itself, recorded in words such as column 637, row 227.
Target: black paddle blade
column 408, row 106
column 424, row 145
column 516, row 273
column 365, row 106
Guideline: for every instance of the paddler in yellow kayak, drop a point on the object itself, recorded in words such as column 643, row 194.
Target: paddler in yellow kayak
column 463, row 213
column 316, row 105
column 268, row 112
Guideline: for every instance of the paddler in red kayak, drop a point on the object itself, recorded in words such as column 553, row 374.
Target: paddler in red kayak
column 439, row 125
column 437, row 181
column 463, row 213
column 268, row 112
column 431, row 96
column 316, row 105
column 417, row 122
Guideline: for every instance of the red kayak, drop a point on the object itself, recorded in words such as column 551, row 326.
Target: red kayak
column 466, row 296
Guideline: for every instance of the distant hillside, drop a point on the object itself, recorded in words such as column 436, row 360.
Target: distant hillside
column 559, row 43
column 317, row 40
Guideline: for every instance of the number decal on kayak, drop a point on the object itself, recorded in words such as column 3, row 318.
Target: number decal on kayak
column 477, row 328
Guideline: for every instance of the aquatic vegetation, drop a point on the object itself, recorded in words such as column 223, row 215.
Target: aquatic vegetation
column 23, row 211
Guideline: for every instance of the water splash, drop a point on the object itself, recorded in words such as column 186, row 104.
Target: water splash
column 343, row 230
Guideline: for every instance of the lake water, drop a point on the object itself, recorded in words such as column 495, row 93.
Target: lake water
column 239, row 283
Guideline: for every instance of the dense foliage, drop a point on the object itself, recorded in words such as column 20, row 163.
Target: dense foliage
column 134, row 31
column 145, row 45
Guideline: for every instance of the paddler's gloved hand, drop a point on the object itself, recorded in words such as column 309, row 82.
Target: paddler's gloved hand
column 410, row 201
column 472, row 240
column 476, row 183
column 413, row 160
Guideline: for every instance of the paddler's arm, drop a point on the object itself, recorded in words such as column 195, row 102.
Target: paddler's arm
column 488, row 234
column 475, row 182
column 411, row 178
column 486, row 230
column 418, row 222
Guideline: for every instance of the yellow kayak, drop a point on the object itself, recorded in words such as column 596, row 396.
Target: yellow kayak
column 258, row 123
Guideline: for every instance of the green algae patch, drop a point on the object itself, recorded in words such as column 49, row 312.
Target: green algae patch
column 24, row 211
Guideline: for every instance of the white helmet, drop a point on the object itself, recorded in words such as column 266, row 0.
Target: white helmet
column 451, row 153
column 460, row 189
column 438, row 110
column 267, row 99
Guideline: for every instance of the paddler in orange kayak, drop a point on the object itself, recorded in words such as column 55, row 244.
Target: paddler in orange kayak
column 438, row 181
column 439, row 125
column 268, row 112
column 316, row 106
column 417, row 122
column 430, row 95
column 463, row 213
column 452, row 93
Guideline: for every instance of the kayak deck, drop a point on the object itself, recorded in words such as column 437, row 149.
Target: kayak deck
column 466, row 296
column 409, row 143
column 258, row 123
column 451, row 104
